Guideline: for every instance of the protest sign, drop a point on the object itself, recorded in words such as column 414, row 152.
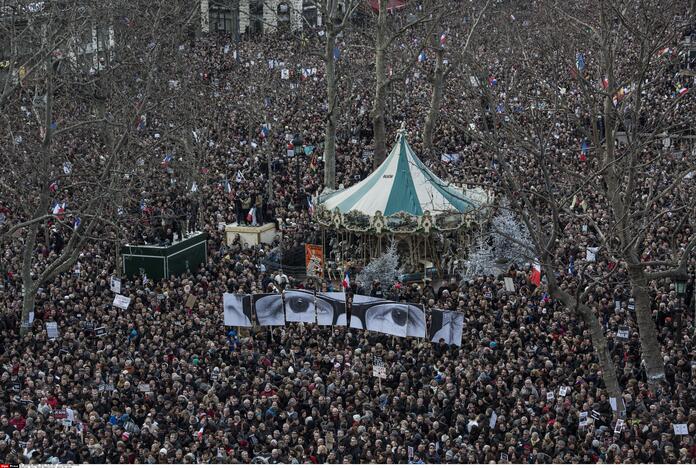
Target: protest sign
column 122, row 302
column 116, row 285
column 509, row 285
column 52, row 329
column 378, row 369
column 583, row 419
column 622, row 333
column 680, row 429
column 619, row 426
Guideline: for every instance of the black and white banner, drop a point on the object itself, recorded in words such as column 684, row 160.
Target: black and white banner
column 237, row 308
column 446, row 325
column 329, row 309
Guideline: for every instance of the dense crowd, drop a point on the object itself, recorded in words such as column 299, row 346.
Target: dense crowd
column 168, row 383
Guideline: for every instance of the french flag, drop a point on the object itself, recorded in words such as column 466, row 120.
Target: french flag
column 53, row 187
column 59, row 209
column 310, row 206
column 682, row 91
column 77, row 223
column 535, row 275
column 167, row 159
column 492, row 80
column 346, row 281
column 584, row 150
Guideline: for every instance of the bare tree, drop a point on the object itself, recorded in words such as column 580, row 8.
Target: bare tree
column 388, row 30
column 76, row 127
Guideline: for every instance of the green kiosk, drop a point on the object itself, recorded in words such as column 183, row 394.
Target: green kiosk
column 159, row 262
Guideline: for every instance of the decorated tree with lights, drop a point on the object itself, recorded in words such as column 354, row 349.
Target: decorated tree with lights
column 384, row 269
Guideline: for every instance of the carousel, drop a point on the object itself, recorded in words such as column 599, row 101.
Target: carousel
column 402, row 202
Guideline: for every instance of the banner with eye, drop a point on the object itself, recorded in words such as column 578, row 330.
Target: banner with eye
column 269, row 309
column 237, row 310
column 446, row 325
column 331, row 308
column 299, row 306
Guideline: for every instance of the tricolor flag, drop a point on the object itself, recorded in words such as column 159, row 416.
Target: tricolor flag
column 663, row 52
column 54, row 186
column 580, row 61
column 535, row 275
column 605, row 83
column 443, row 39
column 167, row 159
column 346, row 281
column 77, row 223
column 200, row 434
column 492, row 80
column 584, row 149
column 681, row 90
column 422, row 57
column 59, row 209
column 265, row 130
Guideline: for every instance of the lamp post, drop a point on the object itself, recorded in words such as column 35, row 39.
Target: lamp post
column 297, row 143
column 680, row 287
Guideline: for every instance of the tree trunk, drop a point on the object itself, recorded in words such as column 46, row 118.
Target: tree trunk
column 28, row 302
column 379, row 104
column 435, row 100
column 599, row 341
column 330, row 130
column 650, row 346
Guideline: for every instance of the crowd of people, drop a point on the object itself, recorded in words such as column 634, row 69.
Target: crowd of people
column 165, row 382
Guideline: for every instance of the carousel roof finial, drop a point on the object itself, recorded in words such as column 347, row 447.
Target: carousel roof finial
column 402, row 131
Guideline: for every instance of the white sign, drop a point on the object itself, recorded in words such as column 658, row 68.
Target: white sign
column 549, row 396
column 619, row 426
column 116, row 285
column 122, row 302
column 285, row 74
column 509, row 285
column 52, row 329
column 680, row 429
column 612, row 403
column 493, row 420
column 591, row 254
column 583, row 419
column 622, row 333
column 563, row 391
column 378, row 369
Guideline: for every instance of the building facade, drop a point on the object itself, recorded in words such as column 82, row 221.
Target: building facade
column 250, row 17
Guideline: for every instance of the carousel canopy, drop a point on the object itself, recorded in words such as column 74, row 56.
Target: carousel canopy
column 401, row 184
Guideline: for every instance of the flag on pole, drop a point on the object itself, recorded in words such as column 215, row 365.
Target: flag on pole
column 422, row 57
column 77, row 223
column 240, row 177
column 535, row 275
column 580, row 61
column 571, row 266
column 663, row 52
column 346, row 281
column 310, row 205
column 584, row 150
column 492, row 81
column 443, row 39
column 167, row 159
column 58, row 210
column 681, row 90
column 605, row 83
column 200, row 434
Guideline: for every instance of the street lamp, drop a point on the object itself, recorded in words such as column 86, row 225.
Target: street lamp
column 680, row 285
column 297, row 143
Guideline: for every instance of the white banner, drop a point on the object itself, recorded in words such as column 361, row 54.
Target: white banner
column 116, row 285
